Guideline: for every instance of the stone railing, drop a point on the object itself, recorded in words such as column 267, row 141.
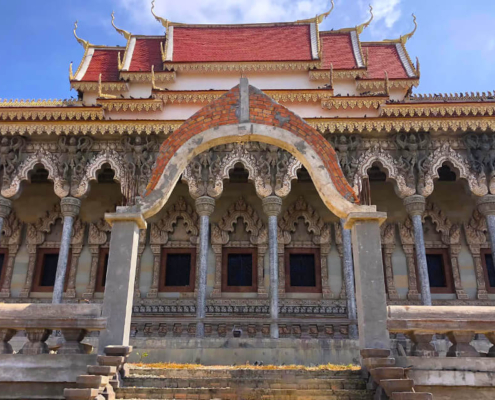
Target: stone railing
column 39, row 320
column 459, row 324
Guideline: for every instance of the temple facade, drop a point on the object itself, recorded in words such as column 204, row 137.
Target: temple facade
column 244, row 234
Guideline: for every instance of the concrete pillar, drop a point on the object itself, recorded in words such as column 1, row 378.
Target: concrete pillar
column 272, row 206
column 5, row 208
column 349, row 279
column 121, row 273
column 486, row 206
column 70, row 207
column 415, row 207
column 204, row 207
column 370, row 286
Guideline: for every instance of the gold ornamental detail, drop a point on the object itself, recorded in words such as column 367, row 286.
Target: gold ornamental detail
column 323, row 75
column 38, row 103
column 436, row 110
column 345, row 103
column 243, row 66
column 146, row 76
column 54, row 114
column 131, row 105
column 373, row 85
column 105, row 86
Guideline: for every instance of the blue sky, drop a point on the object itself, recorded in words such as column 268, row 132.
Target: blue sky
column 455, row 41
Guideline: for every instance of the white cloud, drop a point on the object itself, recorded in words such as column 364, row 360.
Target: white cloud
column 387, row 10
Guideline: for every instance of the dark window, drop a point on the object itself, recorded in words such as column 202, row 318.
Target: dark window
column 445, row 174
column 439, row 271
column 303, row 270
column 46, row 270
column 178, row 270
column 3, row 264
column 489, row 267
column 239, row 272
column 49, row 270
column 101, row 277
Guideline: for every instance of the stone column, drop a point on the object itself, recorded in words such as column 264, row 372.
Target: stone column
column 204, row 207
column 370, row 286
column 70, row 207
column 486, row 206
column 121, row 273
column 349, row 278
column 5, row 207
column 415, row 207
column 272, row 206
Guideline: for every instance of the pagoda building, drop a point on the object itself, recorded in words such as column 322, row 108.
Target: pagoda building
column 243, row 236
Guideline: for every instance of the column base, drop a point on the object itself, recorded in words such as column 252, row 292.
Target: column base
column 70, row 294
column 152, row 294
column 5, row 293
column 482, row 295
column 413, row 295
column 24, row 294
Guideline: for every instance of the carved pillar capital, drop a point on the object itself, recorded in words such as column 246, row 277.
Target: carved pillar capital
column 486, row 205
column 205, row 206
column 70, row 206
column 272, row 205
column 415, row 205
column 5, row 207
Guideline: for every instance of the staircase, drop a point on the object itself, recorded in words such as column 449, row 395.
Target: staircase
column 246, row 384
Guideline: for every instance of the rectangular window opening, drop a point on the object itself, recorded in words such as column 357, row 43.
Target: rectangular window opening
column 178, row 270
column 303, row 270
column 239, row 271
column 439, row 271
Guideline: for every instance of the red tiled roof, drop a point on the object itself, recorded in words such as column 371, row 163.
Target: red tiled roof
column 103, row 62
column 257, row 43
column 147, row 53
column 384, row 58
column 337, row 50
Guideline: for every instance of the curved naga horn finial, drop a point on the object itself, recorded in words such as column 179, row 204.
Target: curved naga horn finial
column 163, row 21
column 405, row 38
column 320, row 18
column 126, row 34
column 82, row 42
column 362, row 27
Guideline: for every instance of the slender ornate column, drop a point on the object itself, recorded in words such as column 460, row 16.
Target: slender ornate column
column 70, row 207
column 272, row 206
column 415, row 207
column 5, row 207
column 204, row 207
column 486, row 206
column 349, row 279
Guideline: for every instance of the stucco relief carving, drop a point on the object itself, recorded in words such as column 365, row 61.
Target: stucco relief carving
column 445, row 153
column 347, row 149
column 476, row 238
column 413, row 150
column 270, row 169
column 160, row 237
column 376, row 154
column 258, row 236
column 406, row 233
column 37, row 238
column 339, row 242
column 139, row 158
column 11, row 239
column 10, row 157
column 387, row 231
column 49, row 162
column 318, row 235
column 73, row 157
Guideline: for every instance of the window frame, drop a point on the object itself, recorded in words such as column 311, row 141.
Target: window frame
column 483, row 253
column 5, row 252
column 99, row 288
column 163, row 270
column 225, row 264
column 40, row 253
column 301, row 289
column 447, row 267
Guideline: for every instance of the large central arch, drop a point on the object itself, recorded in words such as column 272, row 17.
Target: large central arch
column 246, row 114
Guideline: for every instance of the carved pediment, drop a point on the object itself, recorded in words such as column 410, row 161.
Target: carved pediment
column 476, row 230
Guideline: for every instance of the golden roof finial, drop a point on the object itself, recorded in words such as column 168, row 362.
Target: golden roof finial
column 387, row 84
column 319, row 18
column 100, row 91
column 82, row 42
column 126, row 34
column 331, row 76
column 163, row 21
column 71, row 75
column 153, row 82
column 405, row 38
column 362, row 27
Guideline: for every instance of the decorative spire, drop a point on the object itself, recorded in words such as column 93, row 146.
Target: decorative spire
column 82, row 42
column 418, row 68
column 71, row 75
column 126, row 34
column 405, row 38
column 362, row 27
column 319, row 18
column 163, row 21
column 102, row 95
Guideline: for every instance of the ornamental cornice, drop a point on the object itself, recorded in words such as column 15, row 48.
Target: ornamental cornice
column 359, row 125
column 378, row 85
column 105, row 86
column 324, row 75
column 90, row 127
column 121, row 105
column 437, row 110
column 52, row 114
column 38, row 103
column 207, row 96
column 243, row 66
column 146, row 76
column 353, row 102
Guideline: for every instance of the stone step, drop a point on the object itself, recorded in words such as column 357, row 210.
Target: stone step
column 371, row 363
column 329, row 383
column 375, row 353
column 397, row 385
column 412, row 396
column 387, row 373
column 232, row 394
